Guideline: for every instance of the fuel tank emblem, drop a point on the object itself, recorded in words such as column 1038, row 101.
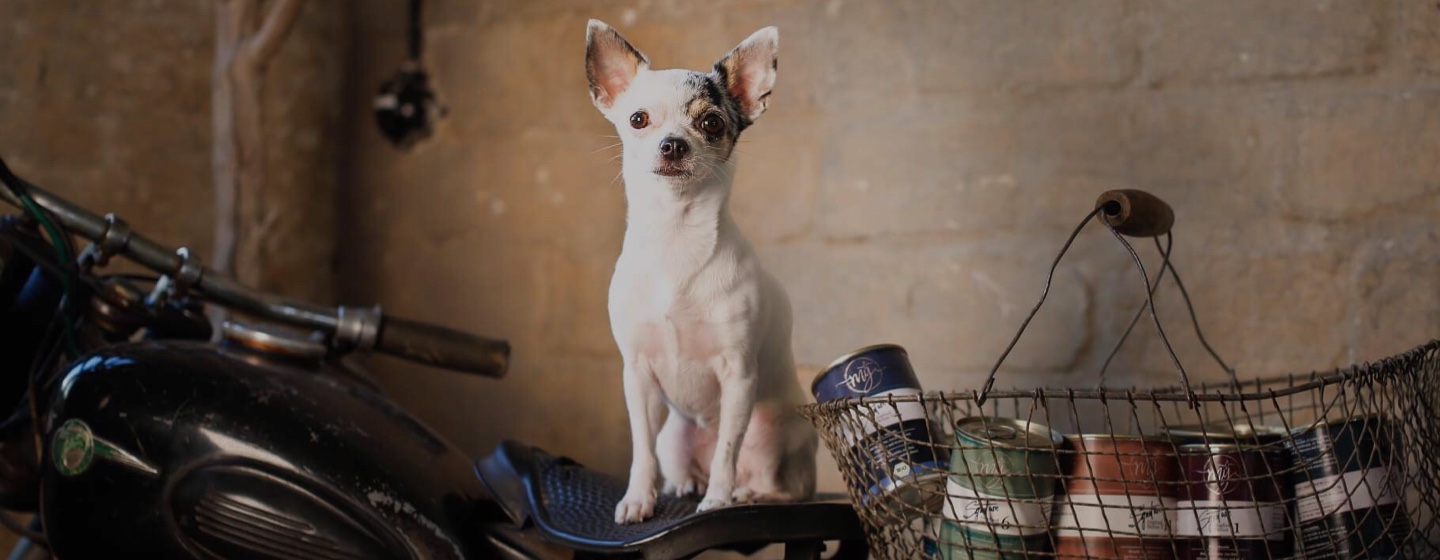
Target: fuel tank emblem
column 74, row 448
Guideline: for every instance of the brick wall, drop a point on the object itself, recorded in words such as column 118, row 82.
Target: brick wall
column 920, row 164
column 108, row 104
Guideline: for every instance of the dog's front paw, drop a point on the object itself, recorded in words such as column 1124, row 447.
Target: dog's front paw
column 742, row 495
column 634, row 509
column 713, row 502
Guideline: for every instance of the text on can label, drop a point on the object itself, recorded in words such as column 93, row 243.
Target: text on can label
column 887, row 415
column 1350, row 491
column 1222, row 518
column 1123, row 515
column 862, row 376
column 996, row 513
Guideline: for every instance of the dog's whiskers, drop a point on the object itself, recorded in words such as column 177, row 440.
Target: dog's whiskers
column 715, row 166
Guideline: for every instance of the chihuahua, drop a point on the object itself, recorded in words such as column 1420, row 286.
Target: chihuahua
column 703, row 330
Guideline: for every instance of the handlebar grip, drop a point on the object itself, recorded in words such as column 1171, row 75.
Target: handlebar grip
column 1136, row 213
column 444, row 348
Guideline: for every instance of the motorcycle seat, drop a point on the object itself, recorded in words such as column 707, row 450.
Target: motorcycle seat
column 574, row 507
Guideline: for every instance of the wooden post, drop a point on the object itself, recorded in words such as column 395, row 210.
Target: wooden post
column 245, row 42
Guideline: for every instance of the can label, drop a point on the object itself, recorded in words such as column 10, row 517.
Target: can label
column 892, row 452
column 871, row 373
column 966, row 542
column 1345, row 492
column 1001, row 488
column 1233, row 502
column 1003, row 516
column 1222, row 518
column 1347, row 495
column 887, row 416
column 893, row 442
column 1093, row 515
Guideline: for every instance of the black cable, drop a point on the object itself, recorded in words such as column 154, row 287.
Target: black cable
column 1195, row 322
column 21, row 189
column 1150, row 302
column 148, row 278
column 15, row 527
column 63, row 244
column 44, row 358
column 1164, row 267
column 414, row 35
column 1166, row 254
column 990, row 381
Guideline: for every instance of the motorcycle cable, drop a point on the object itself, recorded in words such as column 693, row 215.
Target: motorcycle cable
column 61, row 242
column 15, row 527
column 47, row 352
column 39, row 377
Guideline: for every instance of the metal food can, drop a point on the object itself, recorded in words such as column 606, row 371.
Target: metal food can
column 1232, row 503
column 926, row 530
column 1000, row 489
column 1119, row 499
column 897, row 462
column 1347, row 489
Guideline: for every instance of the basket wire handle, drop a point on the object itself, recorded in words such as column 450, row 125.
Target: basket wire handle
column 1150, row 303
column 1126, row 212
column 990, row 381
column 1167, row 265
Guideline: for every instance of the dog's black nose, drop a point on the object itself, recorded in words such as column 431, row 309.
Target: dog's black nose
column 673, row 149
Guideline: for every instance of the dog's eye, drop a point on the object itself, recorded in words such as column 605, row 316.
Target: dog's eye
column 639, row 120
column 712, row 124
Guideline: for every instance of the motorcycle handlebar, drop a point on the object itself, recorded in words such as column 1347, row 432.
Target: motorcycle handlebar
column 349, row 328
column 438, row 346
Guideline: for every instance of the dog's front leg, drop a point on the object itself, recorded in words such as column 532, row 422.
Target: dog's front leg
column 737, row 399
column 644, row 405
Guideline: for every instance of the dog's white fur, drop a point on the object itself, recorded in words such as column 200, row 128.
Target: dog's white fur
column 704, row 331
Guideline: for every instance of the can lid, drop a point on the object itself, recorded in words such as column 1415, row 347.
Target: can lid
column 1008, row 432
column 1119, row 437
column 1252, row 432
column 1208, row 448
column 851, row 354
column 1192, row 431
column 1322, row 423
column 1226, row 431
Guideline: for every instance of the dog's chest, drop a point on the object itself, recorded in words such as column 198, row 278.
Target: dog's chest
column 684, row 340
column 684, row 352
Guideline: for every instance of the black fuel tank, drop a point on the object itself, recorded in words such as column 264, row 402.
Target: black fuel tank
column 188, row 450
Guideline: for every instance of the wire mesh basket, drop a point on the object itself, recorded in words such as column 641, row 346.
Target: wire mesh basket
column 1340, row 464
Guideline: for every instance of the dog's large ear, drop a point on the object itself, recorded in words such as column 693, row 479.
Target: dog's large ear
column 749, row 71
column 610, row 63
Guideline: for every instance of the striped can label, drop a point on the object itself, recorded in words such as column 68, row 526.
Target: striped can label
column 1120, row 497
column 894, row 456
column 1347, row 489
column 1232, row 504
column 1000, row 489
column 967, row 542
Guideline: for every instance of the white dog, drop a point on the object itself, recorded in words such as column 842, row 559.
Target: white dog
column 704, row 331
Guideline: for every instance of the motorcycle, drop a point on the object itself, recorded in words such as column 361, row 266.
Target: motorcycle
column 138, row 428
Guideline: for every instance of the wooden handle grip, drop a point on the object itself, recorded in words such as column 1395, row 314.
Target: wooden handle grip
column 1136, row 213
